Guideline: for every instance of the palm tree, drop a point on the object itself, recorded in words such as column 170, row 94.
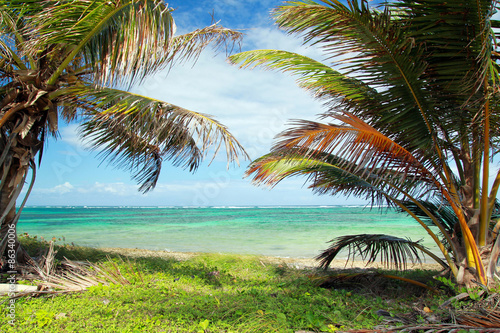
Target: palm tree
column 73, row 60
column 411, row 88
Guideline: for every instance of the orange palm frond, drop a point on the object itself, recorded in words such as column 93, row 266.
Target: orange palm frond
column 358, row 144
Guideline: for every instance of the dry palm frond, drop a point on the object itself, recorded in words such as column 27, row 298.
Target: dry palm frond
column 484, row 318
column 72, row 276
column 435, row 328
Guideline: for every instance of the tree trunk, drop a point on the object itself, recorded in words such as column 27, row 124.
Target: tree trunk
column 11, row 188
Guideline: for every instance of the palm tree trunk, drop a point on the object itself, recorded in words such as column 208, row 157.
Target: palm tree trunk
column 12, row 185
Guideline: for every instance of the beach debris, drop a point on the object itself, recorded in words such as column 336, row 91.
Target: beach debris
column 213, row 273
column 6, row 288
column 72, row 276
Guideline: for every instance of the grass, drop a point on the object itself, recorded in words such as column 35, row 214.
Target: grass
column 211, row 293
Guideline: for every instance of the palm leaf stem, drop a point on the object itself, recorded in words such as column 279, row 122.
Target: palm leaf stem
column 493, row 195
column 472, row 250
column 52, row 80
column 14, row 56
column 6, row 165
column 484, row 216
column 6, row 150
column 459, row 166
column 476, row 159
column 28, row 192
column 10, row 113
column 420, row 284
column 434, row 220
column 451, row 264
column 14, row 196
column 484, row 221
column 449, row 186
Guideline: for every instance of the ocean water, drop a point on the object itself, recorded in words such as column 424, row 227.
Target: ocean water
column 298, row 232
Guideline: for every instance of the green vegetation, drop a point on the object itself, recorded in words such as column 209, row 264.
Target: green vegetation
column 213, row 293
column 411, row 90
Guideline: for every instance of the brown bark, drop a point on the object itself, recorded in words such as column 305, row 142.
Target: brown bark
column 10, row 191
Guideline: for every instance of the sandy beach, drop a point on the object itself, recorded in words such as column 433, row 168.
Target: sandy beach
column 298, row 263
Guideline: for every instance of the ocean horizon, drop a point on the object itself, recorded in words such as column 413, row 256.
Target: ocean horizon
column 281, row 231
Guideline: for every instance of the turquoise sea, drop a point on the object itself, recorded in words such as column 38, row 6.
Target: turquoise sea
column 299, row 232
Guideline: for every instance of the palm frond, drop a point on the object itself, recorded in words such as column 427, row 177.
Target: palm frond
column 138, row 133
column 9, row 37
column 443, row 213
column 321, row 80
column 393, row 251
column 326, row 174
column 358, row 145
column 376, row 52
column 123, row 41
column 189, row 46
column 120, row 39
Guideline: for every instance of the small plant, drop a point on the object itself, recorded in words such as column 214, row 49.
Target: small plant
column 44, row 318
column 203, row 325
column 447, row 282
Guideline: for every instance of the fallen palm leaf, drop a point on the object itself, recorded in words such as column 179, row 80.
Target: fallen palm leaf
column 72, row 276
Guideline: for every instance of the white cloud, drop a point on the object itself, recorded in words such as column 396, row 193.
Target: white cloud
column 58, row 189
column 119, row 188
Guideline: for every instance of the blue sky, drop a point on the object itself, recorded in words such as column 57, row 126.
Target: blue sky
column 254, row 104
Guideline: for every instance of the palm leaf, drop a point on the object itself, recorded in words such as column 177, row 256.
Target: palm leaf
column 376, row 52
column 137, row 132
column 327, row 175
column 323, row 81
column 112, row 33
column 123, row 41
column 358, row 145
column 393, row 251
column 443, row 213
column 188, row 46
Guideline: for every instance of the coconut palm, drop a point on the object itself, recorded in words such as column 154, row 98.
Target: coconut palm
column 74, row 60
column 411, row 91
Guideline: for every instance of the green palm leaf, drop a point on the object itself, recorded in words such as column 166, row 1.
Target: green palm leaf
column 138, row 132
column 377, row 52
column 112, row 34
column 393, row 251
column 321, row 80
column 123, row 40
column 326, row 174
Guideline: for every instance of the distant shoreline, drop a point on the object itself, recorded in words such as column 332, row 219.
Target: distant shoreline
column 212, row 207
column 298, row 263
